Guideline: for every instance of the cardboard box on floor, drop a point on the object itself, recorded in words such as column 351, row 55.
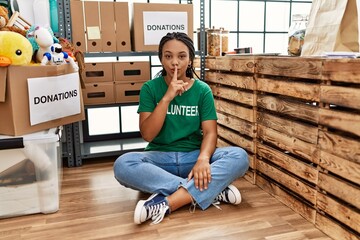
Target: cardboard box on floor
column 15, row 104
column 151, row 21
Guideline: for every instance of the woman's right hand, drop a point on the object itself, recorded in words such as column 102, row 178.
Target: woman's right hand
column 176, row 87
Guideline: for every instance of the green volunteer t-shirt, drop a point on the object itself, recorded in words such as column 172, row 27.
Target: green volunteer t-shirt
column 181, row 131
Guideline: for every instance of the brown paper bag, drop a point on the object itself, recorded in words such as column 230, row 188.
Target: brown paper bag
column 332, row 27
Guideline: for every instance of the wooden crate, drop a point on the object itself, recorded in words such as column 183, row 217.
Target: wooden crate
column 338, row 200
column 233, row 85
column 287, row 110
column 299, row 120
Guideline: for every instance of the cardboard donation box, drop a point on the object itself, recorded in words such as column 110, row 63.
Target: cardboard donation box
column 151, row 21
column 132, row 71
column 98, row 72
column 30, row 175
column 99, row 93
column 129, row 78
column 35, row 98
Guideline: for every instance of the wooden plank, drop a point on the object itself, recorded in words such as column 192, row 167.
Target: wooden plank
column 230, row 63
column 232, row 80
column 250, row 176
column 340, row 166
column 289, row 66
column 295, row 185
column 252, row 161
column 209, row 62
column 235, row 110
column 283, row 196
column 345, row 121
column 339, row 211
column 251, row 157
column 288, row 143
column 235, row 95
column 299, row 130
column 342, row 70
column 341, row 189
column 236, row 139
column 291, row 164
column 289, row 88
column 287, row 107
column 240, row 125
column 222, row 143
column 334, row 230
column 340, row 146
column 341, row 96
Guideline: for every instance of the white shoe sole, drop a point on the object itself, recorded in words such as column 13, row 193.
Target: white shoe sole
column 235, row 191
column 139, row 208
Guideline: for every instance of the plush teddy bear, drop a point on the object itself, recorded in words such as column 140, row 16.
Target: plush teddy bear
column 4, row 19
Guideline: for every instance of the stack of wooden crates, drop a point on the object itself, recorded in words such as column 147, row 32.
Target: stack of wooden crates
column 299, row 120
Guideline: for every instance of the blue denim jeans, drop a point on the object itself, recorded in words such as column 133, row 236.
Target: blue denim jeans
column 165, row 172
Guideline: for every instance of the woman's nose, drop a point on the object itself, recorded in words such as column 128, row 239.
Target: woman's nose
column 175, row 62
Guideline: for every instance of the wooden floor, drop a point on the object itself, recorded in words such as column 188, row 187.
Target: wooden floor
column 94, row 206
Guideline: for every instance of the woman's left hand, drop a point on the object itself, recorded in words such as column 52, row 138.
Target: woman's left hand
column 201, row 173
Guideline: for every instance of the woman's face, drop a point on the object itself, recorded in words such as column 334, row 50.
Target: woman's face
column 175, row 54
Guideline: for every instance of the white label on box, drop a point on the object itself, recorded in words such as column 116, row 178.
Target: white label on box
column 53, row 97
column 93, row 33
column 158, row 24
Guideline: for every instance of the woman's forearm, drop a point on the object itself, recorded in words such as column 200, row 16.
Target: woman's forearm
column 151, row 126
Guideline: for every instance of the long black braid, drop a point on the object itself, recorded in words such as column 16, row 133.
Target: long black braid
column 183, row 37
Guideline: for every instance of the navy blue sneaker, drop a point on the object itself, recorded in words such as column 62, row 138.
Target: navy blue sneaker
column 154, row 208
column 229, row 195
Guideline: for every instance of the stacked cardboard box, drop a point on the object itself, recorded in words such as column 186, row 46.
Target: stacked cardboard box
column 151, row 21
column 101, row 26
column 114, row 82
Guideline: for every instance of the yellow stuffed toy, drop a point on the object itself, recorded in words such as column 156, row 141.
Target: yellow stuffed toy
column 15, row 49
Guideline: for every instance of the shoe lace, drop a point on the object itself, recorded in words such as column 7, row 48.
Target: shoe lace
column 216, row 204
column 157, row 212
column 192, row 207
column 221, row 197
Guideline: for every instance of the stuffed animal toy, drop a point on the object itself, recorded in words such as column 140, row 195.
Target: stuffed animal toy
column 4, row 19
column 15, row 49
column 58, row 57
column 67, row 47
column 78, row 56
column 41, row 38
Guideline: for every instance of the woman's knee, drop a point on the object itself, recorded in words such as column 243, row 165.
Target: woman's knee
column 121, row 165
column 240, row 159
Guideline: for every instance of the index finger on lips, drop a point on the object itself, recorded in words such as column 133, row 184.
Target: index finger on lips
column 175, row 74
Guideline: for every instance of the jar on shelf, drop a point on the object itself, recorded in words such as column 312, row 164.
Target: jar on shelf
column 296, row 34
column 224, row 41
column 214, row 42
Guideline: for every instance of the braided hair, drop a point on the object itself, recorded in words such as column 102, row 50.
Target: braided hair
column 184, row 38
